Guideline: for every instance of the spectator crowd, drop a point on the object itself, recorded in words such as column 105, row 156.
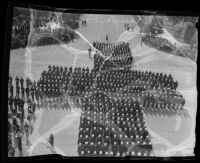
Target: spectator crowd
column 21, row 114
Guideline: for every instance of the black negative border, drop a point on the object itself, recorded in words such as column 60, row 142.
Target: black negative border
column 5, row 67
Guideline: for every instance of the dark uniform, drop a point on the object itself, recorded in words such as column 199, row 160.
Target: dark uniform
column 27, row 82
column 32, row 93
column 22, row 108
column 51, row 140
column 22, row 92
column 37, row 95
column 17, row 81
column 11, row 90
column 17, row 90
column 15, row 105
column 10, row 80
column 49, row 67
column 89, row 51
column 22, row 82
column 106, row 37
column 29, row 108
column 27, row 92
column 26, row 128
column 10, row 103
column 18, row 137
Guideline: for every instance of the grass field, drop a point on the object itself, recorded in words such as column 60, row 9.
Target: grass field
column 174, row 129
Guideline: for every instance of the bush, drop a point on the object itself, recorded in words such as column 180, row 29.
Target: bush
column 189, row 33
column 158, row 43
column 166, row 48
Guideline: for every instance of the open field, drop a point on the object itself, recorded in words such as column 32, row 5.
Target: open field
column 174, row 129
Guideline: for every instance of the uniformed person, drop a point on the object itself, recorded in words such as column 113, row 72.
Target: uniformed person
column 27, row 82
column 18, row 137
column 17, row 81
column 26, row 129
column 10, row 80
column 11, row 91
column 22, row 92
column 10, row 102
column 27, row 92
column 51, row 141
column 32, row 91
column 21, row 82
column 17, row 90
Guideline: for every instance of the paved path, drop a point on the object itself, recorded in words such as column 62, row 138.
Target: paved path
column 64, row 123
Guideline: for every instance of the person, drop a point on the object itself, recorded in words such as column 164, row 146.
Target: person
column 17, row 90
column 27, row 92
column 26, row 128
column 32, row 93
column 21, row 82
column 27, row 82
column 11, row 103
column 21, row 104
column 17, row 81
column 15, row 105
column 33, row 106
column 11, row 91
column 127, row 27
column 89, row 51
column 22, row 92
column 49, row 68
column 51, row 141
column 29, row 105
column 106, row 37
column 10, row 80
column 18, row 137
column 54, row 68
column 61, row 69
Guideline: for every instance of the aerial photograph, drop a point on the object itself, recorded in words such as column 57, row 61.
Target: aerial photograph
column 101, row 85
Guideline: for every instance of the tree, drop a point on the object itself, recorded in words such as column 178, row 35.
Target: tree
column 189, row 33
column 155, row 29
column 21, row 20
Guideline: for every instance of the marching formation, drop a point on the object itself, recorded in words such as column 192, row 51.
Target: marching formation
column 112, row 99
column 111, row 127
column 120, row 55
column 57, row 81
